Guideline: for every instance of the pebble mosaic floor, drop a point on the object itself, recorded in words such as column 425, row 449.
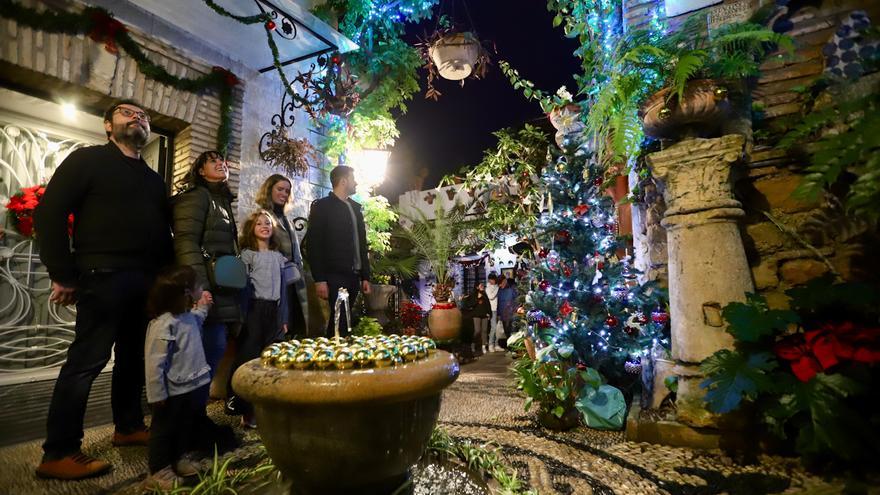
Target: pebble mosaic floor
column 483, row 406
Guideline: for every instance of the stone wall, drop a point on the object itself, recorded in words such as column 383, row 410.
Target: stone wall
column 780, row 249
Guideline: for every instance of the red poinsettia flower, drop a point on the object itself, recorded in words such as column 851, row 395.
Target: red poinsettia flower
column 565, row 309
column 817, row 350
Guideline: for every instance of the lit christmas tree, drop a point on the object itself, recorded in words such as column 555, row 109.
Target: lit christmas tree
column 584, row 300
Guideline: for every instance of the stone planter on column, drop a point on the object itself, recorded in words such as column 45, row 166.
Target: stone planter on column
column 707, row 261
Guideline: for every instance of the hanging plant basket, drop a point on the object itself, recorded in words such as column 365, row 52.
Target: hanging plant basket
column 702, row 110
column 293, row 155
column 455, row 55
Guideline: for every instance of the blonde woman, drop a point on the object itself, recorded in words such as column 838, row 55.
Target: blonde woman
column 274, row 196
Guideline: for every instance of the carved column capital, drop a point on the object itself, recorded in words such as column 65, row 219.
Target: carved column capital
column 697, row 173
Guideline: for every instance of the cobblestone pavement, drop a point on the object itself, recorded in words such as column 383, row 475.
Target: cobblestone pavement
column 483, row 406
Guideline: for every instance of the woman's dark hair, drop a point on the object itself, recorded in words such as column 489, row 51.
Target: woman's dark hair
column 172, row 291
column 193, row 178
column 247, row 239
column 493, row 276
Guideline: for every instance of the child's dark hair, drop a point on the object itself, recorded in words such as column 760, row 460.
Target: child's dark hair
column 247, row 239
column 172, row 291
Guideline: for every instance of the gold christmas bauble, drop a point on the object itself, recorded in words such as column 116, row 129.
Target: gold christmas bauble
column 363, row 357
column 307, row 343
column 323, row 358
column 720, row 93
column 270, row 355
column 285, row 360
column 322, row 341
column 344, row 359
column 560, row 167
column 664, row 113
column 383, row 357
column 409, row 352
column 302, row 359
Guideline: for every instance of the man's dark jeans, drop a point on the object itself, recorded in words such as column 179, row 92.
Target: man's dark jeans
column 335, row 281
column 110, row 311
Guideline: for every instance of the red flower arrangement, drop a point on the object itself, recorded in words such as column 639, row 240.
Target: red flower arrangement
column 817, row 350
column 20, row 210
column 411, row 316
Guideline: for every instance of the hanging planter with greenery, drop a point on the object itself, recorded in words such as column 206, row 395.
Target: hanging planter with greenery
column 452, row 54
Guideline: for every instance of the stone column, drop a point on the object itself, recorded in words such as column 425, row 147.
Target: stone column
column 707, row 261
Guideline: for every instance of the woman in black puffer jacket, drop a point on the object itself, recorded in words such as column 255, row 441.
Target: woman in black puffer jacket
column 204, row 227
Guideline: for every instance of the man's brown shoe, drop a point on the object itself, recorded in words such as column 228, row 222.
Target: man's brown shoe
column 139, row 437
column 73, row 467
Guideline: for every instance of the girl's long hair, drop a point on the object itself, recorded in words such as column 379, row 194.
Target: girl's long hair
column 247, row 239
column 264, row 194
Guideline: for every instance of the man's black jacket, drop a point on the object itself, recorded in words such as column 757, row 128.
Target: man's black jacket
column 329, row 242
column 122, row 217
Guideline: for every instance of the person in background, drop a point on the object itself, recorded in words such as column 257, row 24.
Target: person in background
column 492, row 294
column 480, row 311
column 274, row 196
column 336, row 244
column 267, row 304
column 204, row 227
column 506, row 303
column 121, row 238
column 176, row 371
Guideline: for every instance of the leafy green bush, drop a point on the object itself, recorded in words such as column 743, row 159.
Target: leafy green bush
column 808, row 372
column 367, row 327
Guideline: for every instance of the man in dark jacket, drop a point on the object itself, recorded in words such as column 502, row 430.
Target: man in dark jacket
column 336, row 244
column 121, row 237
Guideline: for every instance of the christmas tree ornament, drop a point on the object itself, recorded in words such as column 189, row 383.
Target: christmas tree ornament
column 303, row 358
column 543, row 253
column 720, row 93
column 270, row 25
column 641, row 318
column 660, row 317
column 560, row 167
column 544, row 322
column 598, row 181
column 631, row 330
column 664, row 113
column 565, row 309
column 633, row 366
column 612, row 321
column 344, row 359
column 566, row 271
column 562, row 237
column 544, row 285
column 619, row 292
column 581, row 210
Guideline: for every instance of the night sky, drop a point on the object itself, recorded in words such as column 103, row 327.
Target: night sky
column 454, row 131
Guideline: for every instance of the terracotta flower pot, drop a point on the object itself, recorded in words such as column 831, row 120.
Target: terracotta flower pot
column 444, row 323
column 455, row 55
column 342, row 432
column 701, row 112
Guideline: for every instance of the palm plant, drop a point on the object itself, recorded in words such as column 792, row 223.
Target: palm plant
column 436, row 241
column 644, row 62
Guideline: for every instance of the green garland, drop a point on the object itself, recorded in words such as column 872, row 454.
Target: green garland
column 100, row 25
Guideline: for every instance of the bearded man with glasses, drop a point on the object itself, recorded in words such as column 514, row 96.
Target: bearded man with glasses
column 121, row 239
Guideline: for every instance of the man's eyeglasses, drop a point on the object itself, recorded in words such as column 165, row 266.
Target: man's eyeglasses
column 131, row 113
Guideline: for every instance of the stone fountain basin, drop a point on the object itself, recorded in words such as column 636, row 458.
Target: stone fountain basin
column 353, row 431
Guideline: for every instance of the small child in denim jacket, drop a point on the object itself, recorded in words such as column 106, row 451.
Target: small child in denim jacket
column 176, row 376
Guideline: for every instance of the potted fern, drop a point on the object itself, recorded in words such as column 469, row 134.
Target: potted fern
column 683, row 84
column 436, row 241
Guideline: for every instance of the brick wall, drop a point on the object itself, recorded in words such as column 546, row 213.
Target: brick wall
column 77, row 66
